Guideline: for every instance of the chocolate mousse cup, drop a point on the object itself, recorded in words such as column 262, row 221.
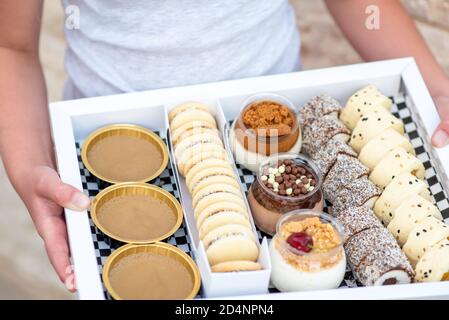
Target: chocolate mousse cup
column 269, row 204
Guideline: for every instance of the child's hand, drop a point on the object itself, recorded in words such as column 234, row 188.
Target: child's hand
column 45, row 197
column 440, row 137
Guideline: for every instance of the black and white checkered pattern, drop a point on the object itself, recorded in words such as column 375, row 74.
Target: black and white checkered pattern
column 104, row 245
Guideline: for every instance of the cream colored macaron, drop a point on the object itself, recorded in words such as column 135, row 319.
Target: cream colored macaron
column 237, row 266
column 212, row 180
column 218, row 207
column 206, row 164
column 212, row 198
column 190, row 116
column 222, row 218
column 229, row 243
column 196, row 139
column 208, row 172
column 215, row 188
column 184, row 107
column 190, row 129
column 199, row 152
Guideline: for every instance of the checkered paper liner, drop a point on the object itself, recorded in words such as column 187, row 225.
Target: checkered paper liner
column 104, row 245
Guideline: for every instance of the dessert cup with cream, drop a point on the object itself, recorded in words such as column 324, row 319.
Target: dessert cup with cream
column 307, row 252
column 269, row 200
column 266, row 125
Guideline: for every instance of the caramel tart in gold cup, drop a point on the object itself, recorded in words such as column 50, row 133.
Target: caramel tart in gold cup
column 124, row 153
column 136, row 213
column 152, row 271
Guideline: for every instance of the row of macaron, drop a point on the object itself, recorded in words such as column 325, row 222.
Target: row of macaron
column 221, row 214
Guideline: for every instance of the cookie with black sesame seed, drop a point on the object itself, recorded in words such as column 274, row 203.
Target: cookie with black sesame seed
column 384, row 267
column 372, row 124
column 423, row 236
column 319, row 106
column 410, row 212
column 366, row 242
column 434, row 264
column 320, row 131
column 326, row 156
column 364, row 100
column 357, row 219
column 396, row 162
column 345, row 170
column 400, row 188
column 375, row 150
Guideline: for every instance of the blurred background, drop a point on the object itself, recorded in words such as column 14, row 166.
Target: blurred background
column 25, row 272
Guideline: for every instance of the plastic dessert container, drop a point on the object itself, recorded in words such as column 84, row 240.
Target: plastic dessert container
column 124, row 153
column 268, row 206
column 151, row 271
column 267, row 124
column 323, row 267
column 136, row 213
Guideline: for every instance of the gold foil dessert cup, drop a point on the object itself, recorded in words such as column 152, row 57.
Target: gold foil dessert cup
column 136, row 213
column 124, row 153
column 151, row 271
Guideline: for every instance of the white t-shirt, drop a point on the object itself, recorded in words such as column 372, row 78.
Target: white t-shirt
column 125, row 46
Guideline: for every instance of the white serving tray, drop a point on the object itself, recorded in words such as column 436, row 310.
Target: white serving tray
column 73, row 120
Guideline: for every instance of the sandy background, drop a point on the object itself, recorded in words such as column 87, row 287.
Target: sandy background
column 25, row 272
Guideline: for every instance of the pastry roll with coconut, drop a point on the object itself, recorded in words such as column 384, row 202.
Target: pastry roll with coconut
column 396, row 162
column 345, row 170
column 326, row 156
column 412, row 211
column 366, row 99
column 423, row 236
column 376, row 259
column 229, row 243
column 372, row 124
column 320, row 131
column 434, row 264
column 358, row 193
column 319, row 106
column 375, row 150
column 399, row 189
column 357, row 219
